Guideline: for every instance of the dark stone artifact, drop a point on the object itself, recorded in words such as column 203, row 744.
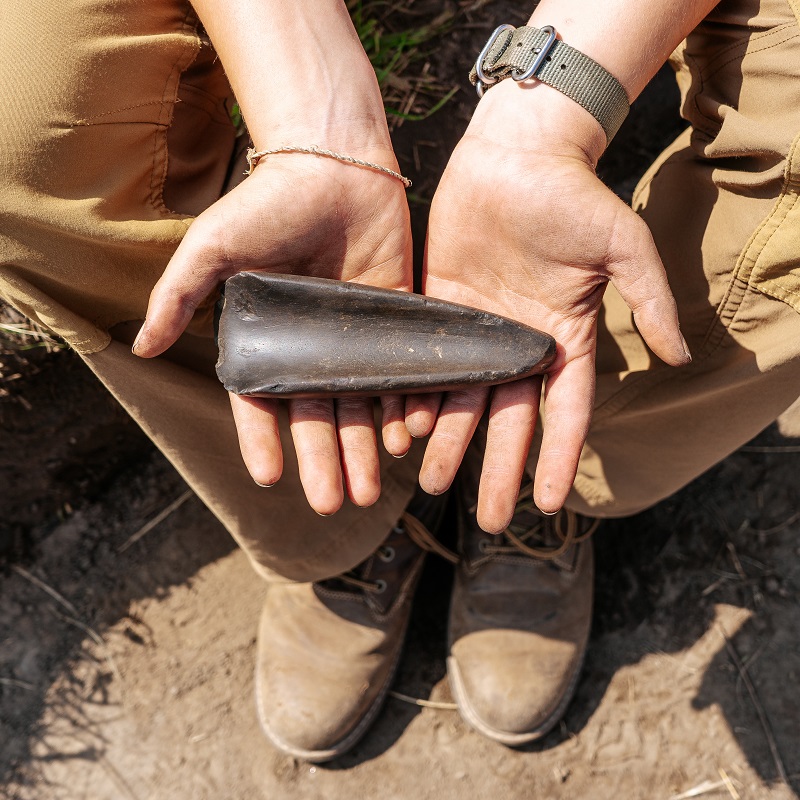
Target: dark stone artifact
column 290, row 336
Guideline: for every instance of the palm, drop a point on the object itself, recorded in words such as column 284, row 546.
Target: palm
column 309, row 216
column 536, row 239
column 306, row 216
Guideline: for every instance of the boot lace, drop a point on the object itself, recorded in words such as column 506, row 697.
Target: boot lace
column 528, row 526
column 418, row 534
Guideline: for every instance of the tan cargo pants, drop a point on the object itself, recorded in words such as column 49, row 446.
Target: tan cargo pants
column 116, row 132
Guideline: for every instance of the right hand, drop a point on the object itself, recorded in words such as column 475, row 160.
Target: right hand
column 305, row 215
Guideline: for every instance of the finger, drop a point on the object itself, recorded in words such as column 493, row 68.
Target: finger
column 641, row 280
column 396, row 438
column 459, row 416
column 568, row 404
column 193, row 273
column 512, row 420
column 256, row 422
column 359, row 449
column 421, row 411
column 313, row 427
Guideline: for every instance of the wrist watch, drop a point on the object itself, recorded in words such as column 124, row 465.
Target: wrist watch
column 528, row 52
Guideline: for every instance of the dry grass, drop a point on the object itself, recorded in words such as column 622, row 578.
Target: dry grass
column 21, row 343
column 19, row 334
column 398, row 44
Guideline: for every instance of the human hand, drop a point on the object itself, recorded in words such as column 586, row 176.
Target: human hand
column 307, row 215
column 521, row 226
column 298, row 214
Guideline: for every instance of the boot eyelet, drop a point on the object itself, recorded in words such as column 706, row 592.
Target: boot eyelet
column 380, row 586
column 483, row 545
column 386, row 554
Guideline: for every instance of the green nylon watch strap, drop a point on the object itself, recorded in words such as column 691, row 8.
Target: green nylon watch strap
column 571, row 72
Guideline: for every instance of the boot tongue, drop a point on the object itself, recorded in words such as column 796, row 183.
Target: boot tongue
column 532, row 527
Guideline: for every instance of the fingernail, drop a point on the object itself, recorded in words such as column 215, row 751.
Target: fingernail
column 549, row 513
column 400, row 455
column 136, row 340
column 686, row 348
column 264, row 485
column 320, row 514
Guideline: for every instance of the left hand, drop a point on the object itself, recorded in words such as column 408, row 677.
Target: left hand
column 521, row 226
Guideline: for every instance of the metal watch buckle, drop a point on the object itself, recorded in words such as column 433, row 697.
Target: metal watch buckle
column 485, row 81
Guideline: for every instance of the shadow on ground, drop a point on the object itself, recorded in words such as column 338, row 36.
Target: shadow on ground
column 663, row 578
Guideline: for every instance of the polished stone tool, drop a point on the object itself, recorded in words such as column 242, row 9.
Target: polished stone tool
column 291, row 336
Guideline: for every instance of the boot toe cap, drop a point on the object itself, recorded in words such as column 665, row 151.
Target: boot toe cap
column 314, row 728
column 513, row 686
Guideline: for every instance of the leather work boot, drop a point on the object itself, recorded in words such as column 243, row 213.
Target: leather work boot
column 328, row 651
column 519, row 619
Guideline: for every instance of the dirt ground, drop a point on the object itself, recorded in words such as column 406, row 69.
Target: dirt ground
column 136, row 681
column 126, row 653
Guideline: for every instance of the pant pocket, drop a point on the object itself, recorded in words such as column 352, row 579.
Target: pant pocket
column 771, row 261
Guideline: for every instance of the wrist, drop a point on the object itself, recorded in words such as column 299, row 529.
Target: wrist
column 300, row 74
column 330, row 102
column 534, row 117
column 345, row 125
column 629, row 39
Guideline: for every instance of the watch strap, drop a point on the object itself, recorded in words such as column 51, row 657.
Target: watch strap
column 566, row 69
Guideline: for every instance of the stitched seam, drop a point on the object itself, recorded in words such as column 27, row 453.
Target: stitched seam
column 742, row 277
column 89, row 120
column 783, row 216
column 716, row 330
column 160, row 137
column 770, row 286
column 745, row 43
column 82, row 342
column 703, row 75
column 748, row 52
column 793, row 4
column 734, row 152
column 691, row 60
column 772, row 289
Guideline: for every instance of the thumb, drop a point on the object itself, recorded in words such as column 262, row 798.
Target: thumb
column 639, row 276
column 193, row 273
